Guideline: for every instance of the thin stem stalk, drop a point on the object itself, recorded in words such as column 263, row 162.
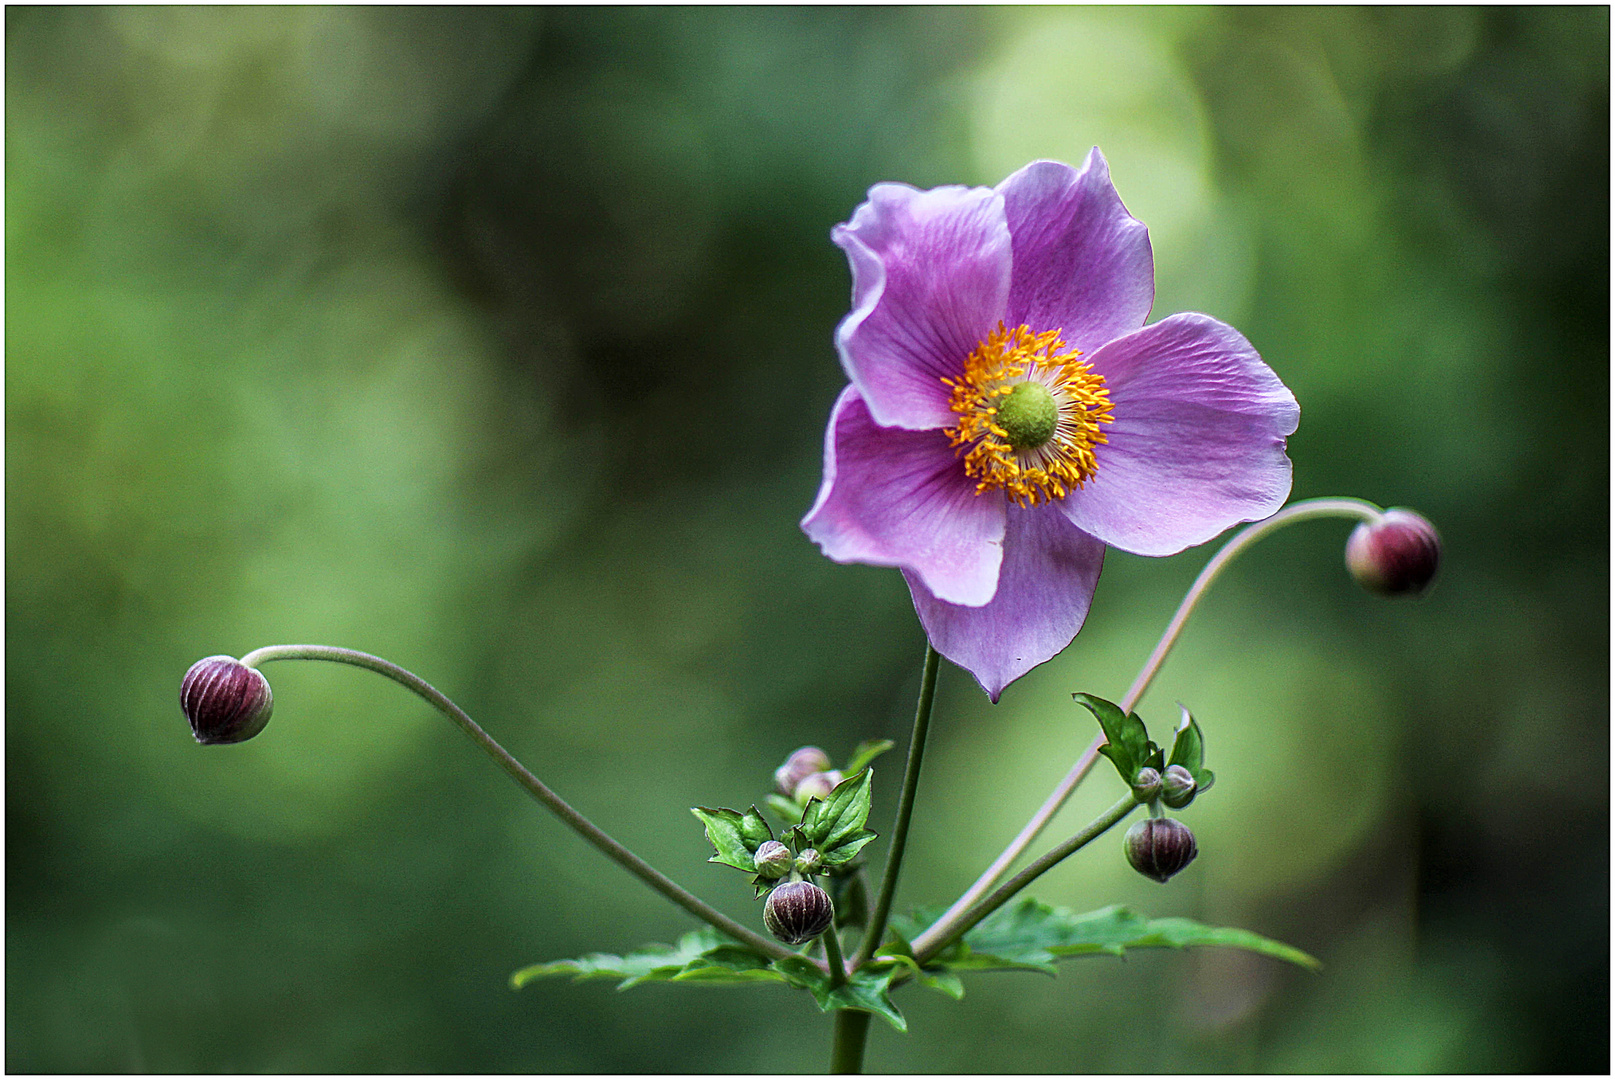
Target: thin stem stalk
column 833, row 958
column 1302, row 511
column 533, row 786
column 905, row 808
column 941, row 935
column 852, row 1033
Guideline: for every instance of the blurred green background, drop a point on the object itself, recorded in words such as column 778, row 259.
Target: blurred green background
column 498, row 342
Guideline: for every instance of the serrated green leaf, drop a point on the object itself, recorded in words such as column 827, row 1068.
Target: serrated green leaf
column 865, row 989
column 701, row 955
column 1127, row 743
column 936, row 977
column 843, row 812
column 1029, row 934
column 847, row 849
column 724, row 830
column 754, row 829
column 867, row 751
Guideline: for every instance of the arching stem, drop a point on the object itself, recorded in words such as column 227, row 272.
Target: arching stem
column 1305, row 510
column 585, row 828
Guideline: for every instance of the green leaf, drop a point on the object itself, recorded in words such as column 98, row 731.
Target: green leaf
column 701, row 955
column 842, row 813
column 936, row 977
column 1127, row 743
column 847, row 849
column 865, row 989
column 788, row 811
column 754, row 829
column 724, row 830
column 867, row 751
column 1188, row 749
column 1029, row 934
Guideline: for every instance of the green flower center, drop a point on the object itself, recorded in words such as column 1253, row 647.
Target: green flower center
column 1028, row 415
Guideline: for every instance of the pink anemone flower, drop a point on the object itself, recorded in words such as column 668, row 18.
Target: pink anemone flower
column 1010, row 414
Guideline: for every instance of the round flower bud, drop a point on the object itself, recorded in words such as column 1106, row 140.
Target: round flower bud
column 798, row 911
column 1396, row 555
column 225, row 700
column 1147, row 784
column 1177, row 787
column 817, row 785
column 808, row 862
column 801, row 764
column 773, row 859
column 1160, row 847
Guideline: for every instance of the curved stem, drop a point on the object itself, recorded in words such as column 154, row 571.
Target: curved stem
column 905, row 809
column 941, row 935
column 852, row 1031
column 533, row 785
column 1301, row 511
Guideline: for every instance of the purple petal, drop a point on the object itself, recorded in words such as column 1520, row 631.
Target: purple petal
column 1082, row 262
column 930, row 275
column 894, row 497
column 1049, row 573
column 1198, row 439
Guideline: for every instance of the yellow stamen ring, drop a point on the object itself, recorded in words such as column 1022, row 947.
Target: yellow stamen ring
column 1033, row 464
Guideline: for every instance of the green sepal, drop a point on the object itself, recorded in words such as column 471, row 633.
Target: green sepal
column 867, row 751
column 724, row 830
column 1127, row 743
column 847, row 850
column 1189, row 750
column 702, row 955
column 839, row 818
column 1028, row 934
column 865, row 989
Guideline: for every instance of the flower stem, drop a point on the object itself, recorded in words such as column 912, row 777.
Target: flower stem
column 852, row 1032
column 905, row 809
column 1301, row 511
column 833, row 959
column 534, row 787
column 944, row 933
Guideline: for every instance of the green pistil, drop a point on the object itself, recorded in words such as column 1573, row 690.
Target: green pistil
column 1028, row 415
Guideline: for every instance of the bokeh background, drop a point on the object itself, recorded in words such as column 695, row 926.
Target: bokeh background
column 498, row 342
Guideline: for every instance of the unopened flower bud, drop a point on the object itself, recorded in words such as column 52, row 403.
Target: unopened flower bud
column 817, row 785
column 1398, row 554
column 773, row 859
column 798, row 911
column 1160, row 847
column 801, row 764
column 1177, row 787
column 808, row 862
column 1147, row 784
column 225, row 700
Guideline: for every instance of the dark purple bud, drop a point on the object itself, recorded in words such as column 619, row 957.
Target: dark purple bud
column 1396, row 555
column 773, row 859
column 798, row 911
column 800, row 765
column 1160, row 847
column 1147, row 784
column 1177, row 787
column 817, row 785
column 225, row 700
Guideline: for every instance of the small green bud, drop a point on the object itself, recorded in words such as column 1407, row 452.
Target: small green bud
column 798, row 911
column 773, row 859
column 225, row 700
column 1177, row 787
column 817, row 785
column 1160, row 847
column 802, row 763
column 1147, row 785
column 808, row 862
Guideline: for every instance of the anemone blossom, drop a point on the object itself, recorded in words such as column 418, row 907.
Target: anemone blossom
column 1010, row 414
